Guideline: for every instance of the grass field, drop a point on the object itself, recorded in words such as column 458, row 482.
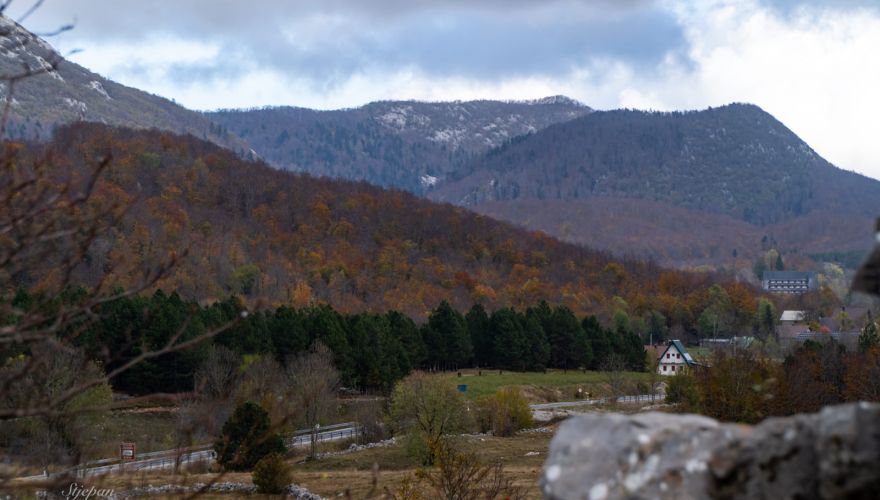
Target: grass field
column 152, row 431
column 555, row 385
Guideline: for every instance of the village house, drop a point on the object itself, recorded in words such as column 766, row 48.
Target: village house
column 792, row 317
column 674, row 359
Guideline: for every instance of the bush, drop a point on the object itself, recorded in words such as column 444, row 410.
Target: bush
column 427, row 408
column 505, row 412
column 247, row 438
column 271, row 474
column 462, row 475
column 682, row 390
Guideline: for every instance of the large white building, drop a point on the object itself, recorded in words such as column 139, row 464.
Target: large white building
column 675, row 359
column 789, row 281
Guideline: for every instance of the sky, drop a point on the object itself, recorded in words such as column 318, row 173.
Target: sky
column 813, row 64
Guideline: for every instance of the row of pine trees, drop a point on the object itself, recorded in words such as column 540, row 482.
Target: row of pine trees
column 371, row 351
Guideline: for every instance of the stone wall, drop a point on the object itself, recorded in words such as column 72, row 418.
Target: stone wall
column 832, row 454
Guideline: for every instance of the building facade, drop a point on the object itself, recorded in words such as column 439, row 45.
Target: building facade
column 675, row 359
column 789, row 281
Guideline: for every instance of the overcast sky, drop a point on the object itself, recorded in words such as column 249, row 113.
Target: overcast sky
column 813, row 64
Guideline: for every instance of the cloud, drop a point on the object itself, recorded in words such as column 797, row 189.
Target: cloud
column 332, row 41
column 812, row 69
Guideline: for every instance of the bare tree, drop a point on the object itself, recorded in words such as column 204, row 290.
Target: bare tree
column 370, row 417
column 613, row 370
column 461, row 476
column 264, row 382
column 216, row 377
column 46, row 439
column 314, row 386
column 51, row 222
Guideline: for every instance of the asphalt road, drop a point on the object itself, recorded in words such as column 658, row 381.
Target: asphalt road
column 641, row 398
column 167, row 459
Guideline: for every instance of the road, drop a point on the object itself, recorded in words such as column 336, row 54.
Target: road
column 168, row 459
column 641, row 398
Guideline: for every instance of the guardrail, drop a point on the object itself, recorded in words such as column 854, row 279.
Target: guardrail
column 583, row 402
column 326, row 428
column 303, row 439
column 165, row 459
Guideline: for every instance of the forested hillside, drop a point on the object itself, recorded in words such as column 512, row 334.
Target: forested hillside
column 409, row 145
column 286, row 238
column 72, row 93
column 706, row 169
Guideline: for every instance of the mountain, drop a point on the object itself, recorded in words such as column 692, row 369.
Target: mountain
column 284, row 238
column 679, row 187
column 72, row 93
column 407, row 145
column 687, row 188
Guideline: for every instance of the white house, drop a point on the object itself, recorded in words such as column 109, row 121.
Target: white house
column 792, row 317
column 675, row 359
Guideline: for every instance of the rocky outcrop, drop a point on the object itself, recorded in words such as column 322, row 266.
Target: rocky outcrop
column 832, row 454
column 233, row 489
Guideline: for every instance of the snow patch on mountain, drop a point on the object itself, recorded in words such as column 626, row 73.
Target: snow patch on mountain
column 451, row 136
column 402, row 117
column 97, row 87
column 428, row 180
column 554, row 100
column 76, row 104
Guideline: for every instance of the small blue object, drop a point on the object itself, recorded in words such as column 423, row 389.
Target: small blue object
column 462, row 387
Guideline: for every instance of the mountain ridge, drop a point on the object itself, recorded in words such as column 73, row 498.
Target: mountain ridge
column 409, row 145
column 734, row 161
column 514, row 160
column 72, row 93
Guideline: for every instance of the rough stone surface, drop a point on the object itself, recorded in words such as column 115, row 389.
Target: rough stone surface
column 359, row 447
column 832, row 454
column 292, row 491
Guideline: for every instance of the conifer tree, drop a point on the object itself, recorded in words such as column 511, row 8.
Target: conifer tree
column 478, row 328
column 511, row 345
column 247, row 438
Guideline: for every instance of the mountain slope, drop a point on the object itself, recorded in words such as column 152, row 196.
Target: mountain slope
column 403, row 144
column 73, row 93
column 723, row 171
column 289, row 238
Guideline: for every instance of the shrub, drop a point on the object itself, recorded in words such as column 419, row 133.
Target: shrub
column 247, row 438
column 271, row 475
column 463, row 475
column 682, row 389
column 426, row 408
column 506, row 412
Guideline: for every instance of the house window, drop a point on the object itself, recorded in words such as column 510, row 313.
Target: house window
column 678, row 356
column 668, row 355
column 664, row 368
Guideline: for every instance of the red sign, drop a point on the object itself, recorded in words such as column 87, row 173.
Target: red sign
column 127, row 451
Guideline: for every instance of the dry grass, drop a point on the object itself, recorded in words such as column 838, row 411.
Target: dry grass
column 522, row 455
column 369, row 471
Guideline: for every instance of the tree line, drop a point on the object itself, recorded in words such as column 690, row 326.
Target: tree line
column 370, row 351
